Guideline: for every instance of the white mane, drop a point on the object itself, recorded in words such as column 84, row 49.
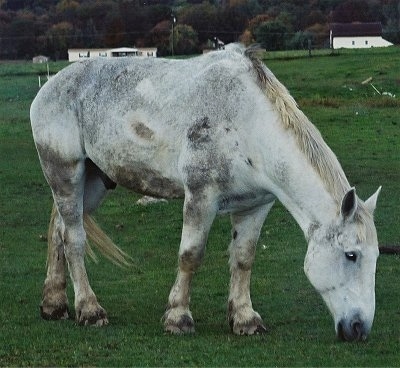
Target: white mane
column 309, row 139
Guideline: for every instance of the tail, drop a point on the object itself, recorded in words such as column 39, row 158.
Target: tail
column 96, row 236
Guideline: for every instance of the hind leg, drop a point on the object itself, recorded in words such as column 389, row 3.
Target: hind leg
column 67, row 180
column 54, row 304
column 243, row 319
column 87, row 309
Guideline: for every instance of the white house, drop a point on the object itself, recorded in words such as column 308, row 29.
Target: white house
column 79, row 54
column 357, row 35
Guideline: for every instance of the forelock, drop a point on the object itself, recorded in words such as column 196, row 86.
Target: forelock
column 365, row 223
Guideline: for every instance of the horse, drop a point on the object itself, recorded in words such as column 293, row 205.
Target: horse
column 221, row 132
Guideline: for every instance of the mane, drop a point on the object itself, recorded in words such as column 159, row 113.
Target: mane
column 365, row 221
column 309, row 139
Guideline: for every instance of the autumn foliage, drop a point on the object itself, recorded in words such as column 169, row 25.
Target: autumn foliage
column 50, row 27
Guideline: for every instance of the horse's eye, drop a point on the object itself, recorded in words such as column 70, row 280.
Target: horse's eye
column 351, row 256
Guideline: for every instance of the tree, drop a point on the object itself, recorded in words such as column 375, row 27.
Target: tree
column 235, row 17
column 315, row 17
column 271, row 35
column 320, row 34
column 88, row 35
column 60, row 37
column 246, row 38
column 67, row 10
column 356, row 11
column 300, row 40
column 160, row 37
column 15, row 4
column 203, row 18
column 257, row 20
column 115, row 32
column 29, row 27
column 185, row 40
column 21, row 37
column 391, row 11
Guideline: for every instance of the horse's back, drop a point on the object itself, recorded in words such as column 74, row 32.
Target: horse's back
column 150, row 123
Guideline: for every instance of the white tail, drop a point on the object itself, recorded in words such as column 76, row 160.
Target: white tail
column 95, row 236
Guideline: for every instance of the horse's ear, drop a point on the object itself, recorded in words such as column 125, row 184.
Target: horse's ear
column 370, row 203
column 349, row 204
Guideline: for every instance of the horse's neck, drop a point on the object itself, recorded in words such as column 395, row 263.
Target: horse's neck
column 295, row 182
column 308, row 202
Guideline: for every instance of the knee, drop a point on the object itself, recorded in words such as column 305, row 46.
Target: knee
column 74, row 242
column 242, row 257
column 190, row 259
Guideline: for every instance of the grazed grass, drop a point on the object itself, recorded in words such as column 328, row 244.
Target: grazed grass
column 365, row 136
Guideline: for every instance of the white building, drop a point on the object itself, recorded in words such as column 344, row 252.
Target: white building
column 40, row 59
column 79, row 54
column 357, row 35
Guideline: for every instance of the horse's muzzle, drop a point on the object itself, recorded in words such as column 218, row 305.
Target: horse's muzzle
column 352, row 330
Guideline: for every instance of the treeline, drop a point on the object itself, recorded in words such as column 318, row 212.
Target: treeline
column 50, row 27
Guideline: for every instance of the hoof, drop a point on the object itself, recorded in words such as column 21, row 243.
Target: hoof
column 248, row 326
column 97, row 318
column 178, row 323
column 51, row 313
column 253, row 327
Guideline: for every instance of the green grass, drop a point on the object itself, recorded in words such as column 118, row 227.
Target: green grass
column 362, row 128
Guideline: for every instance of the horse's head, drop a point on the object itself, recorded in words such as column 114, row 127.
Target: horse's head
column 341, row 263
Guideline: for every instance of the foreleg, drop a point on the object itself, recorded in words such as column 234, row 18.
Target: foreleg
column 246, row 227
column 198, row 216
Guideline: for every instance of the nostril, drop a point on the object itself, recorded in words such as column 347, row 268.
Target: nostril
column 357, row 330
column 340, row 332
column 353, row 331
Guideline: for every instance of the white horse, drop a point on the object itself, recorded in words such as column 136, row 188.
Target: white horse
column 223, row 133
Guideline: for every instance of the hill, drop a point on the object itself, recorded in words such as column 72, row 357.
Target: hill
column 50, row 27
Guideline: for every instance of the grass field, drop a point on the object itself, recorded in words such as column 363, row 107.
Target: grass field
column 360, row 125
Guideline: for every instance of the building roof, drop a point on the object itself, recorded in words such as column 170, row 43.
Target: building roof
column 124, row 49
column 87, row 49
column 356, row 29
column 119, row 49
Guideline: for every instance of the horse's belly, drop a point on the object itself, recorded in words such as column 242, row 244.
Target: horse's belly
column 136, row 155
column 148, row 181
